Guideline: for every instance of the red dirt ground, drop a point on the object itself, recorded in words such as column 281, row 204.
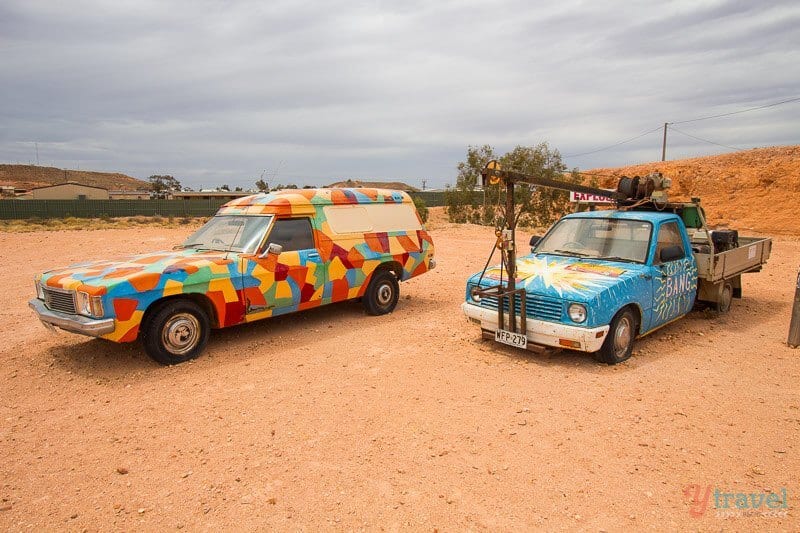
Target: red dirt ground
column 333, row 419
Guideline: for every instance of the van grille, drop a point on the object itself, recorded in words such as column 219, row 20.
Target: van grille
column 60, row 300
column 538, row 307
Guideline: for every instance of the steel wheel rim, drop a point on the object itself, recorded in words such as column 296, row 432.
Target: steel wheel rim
column 385, row 294
column 181, row 333
column 623, row 336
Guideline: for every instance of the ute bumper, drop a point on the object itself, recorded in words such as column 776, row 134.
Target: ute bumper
column 93, row 327
column 542, row 333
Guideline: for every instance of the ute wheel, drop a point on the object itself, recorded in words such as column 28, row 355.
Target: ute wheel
column 176, row 332
column 619, row 342
column 382, row 293
column 726, row 296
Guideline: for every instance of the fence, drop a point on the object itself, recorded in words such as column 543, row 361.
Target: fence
column 25, row 209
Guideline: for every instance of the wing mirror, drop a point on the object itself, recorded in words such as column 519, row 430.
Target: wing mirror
column 534, row 241
column 272, row 248
column 671, row 253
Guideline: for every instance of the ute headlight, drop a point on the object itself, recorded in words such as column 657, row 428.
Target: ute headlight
column 577, row 313
column 88, row 305
column 39, row 289
column 473, row 293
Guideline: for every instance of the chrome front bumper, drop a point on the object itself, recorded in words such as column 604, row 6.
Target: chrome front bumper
column 93, row 327
column 541, row 332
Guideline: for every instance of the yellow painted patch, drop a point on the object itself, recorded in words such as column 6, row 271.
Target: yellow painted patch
column 226, row 287
column 283, row 290
column 336, row 270
column 172, row 287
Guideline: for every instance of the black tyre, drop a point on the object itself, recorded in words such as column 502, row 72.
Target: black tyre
column 725, row 298
column 382, row 293
column 619, row 342
column 176, row 332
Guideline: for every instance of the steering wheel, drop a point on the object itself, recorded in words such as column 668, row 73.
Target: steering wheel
column 217, row 240
column 573, row 245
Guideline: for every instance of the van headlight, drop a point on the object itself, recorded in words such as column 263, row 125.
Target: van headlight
column 39, row 289
column 88, row 305
column 577, row 313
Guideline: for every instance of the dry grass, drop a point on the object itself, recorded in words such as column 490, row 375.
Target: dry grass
column 90, row 224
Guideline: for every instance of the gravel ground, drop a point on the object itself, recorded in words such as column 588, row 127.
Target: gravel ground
column 334, row 419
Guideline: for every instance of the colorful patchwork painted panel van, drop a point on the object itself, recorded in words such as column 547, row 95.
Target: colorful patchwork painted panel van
column 260, row 256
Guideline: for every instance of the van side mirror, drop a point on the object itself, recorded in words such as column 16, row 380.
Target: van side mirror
column 534, row 241
column 272, row 249
column 671, row 253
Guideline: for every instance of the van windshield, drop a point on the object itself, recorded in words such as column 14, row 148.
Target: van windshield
column 230, row 233
column 610, row 239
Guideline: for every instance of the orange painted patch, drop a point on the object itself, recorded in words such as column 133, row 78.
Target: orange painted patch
column 124, row 308
column 55, row 281
column 355, row 258
column 145, row 282
column 340, row 290
column 254, row 296
column 130, row 335
column 149, row 260
column 407, row 243
column 373, row 242
column 122, row 272
column 92, row 291
column 218, row 299
column 325, row 245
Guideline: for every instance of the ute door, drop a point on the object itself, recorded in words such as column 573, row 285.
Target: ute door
column 291, row 280
column 674, row 275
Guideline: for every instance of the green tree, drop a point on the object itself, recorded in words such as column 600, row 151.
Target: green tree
column 536, row 206
column 461, row 200
column 262, row 186
column 163, row 183
column 224, row 188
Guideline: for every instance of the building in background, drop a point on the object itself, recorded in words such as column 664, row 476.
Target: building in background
column 69, row 191
column 208, row 195
column 129, row 195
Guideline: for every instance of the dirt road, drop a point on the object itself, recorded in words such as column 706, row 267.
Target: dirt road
column 333, row 419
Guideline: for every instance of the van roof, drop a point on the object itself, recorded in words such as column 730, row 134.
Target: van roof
column 305, row 201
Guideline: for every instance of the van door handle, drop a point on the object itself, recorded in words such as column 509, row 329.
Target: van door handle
column 646, row 276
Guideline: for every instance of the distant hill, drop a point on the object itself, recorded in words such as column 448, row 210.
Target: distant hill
column 31, row 176
column 397, row 185
column 754, row 190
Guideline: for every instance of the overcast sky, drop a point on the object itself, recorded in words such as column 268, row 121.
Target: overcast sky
column 310, row 92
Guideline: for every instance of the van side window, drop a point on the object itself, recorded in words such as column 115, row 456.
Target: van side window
column 668, row 235
column 292, row 234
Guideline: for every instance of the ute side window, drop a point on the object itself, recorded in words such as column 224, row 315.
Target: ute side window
column 668, row 235
column 292, row 234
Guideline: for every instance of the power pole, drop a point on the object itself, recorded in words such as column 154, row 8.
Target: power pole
column 37, row 153
column 664, row 144
column 423, row 184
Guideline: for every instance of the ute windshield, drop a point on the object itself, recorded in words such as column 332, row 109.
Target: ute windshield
column 598, row 238
column 230, row 233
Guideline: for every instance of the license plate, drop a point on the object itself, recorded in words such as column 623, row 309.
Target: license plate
column 516, row 340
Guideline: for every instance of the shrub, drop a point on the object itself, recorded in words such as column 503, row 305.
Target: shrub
column 422, row 208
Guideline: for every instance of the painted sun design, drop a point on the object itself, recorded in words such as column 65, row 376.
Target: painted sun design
column 567, row 277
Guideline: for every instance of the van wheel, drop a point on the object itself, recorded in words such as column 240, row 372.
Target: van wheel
column 725, row 298
column 619, row 342
column 176, row 332
column 382, row 293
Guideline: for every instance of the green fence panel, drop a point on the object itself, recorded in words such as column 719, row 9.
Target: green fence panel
column 26, row 209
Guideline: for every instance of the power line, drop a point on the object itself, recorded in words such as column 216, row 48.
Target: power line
column 615, row 144
column 773, row 104
column 795, row 99
column 705, row 140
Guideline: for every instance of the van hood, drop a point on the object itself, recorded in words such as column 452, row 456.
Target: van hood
column 574, row 278
column 142, row 272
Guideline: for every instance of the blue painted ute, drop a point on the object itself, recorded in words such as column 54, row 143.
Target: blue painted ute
column 658, row 292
